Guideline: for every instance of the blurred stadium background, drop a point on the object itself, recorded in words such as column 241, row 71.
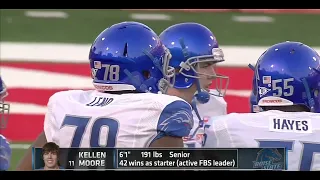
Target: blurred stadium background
column 45, row 51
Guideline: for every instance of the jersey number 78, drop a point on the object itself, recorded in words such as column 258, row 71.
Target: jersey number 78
column 81, row 123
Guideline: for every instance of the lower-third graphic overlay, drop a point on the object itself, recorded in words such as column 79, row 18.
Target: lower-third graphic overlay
column 80, row 158
column 177, row 158
column 186, row 158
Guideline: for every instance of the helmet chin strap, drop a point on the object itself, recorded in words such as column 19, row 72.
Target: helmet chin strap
column 201, row 96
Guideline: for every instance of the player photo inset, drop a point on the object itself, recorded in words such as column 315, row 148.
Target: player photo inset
column 50, row 155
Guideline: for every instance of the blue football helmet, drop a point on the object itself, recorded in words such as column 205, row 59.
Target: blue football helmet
column 4, row 108
column 253, row 95
column 130, row 56
column 190, row 45
column 287, row 74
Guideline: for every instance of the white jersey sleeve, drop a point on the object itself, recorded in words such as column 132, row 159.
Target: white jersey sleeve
column 50, row 124
column 298, row 132
column 175, row 120
column 92, row 119
column 215, row 107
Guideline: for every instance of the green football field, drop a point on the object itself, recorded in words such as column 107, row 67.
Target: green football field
column 18, row 151
column 82, row 26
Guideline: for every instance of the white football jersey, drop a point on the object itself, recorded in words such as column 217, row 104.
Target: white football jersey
column 79, row 118
column 215, row 107
column 299, row 132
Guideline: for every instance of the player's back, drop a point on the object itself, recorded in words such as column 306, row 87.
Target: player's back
column 93, row 119
column 299, row 132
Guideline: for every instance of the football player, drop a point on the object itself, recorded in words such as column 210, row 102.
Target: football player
column 195, row 53
column 5, row 150
column 287, row 81
column 129, row 67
